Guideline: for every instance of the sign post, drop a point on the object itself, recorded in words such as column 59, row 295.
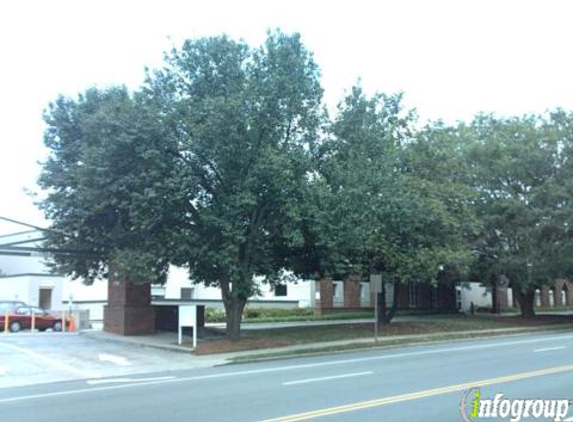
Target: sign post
column 188, row 318
column 376, row 318
column 33, row 327
column 376, row 288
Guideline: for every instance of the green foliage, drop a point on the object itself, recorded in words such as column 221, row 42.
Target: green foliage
column 265, row 315
column 204, row 167
column 214, row 315
column 520, row 169
column 244, row 121
column 253, row 313
column 382, row 210
column 103, row 157
column 224, row 163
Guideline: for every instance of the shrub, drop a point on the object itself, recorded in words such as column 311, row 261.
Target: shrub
column 214, row 315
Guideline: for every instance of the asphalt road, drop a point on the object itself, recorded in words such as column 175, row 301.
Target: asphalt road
column 402, row 384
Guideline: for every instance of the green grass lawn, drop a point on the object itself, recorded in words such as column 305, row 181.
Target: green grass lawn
column 278, row 337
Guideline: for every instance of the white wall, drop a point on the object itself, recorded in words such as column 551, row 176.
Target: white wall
column 93, row 297
column 90, row 298
column 78, row 291
column 302, row 291
column 15, row 265
column 475, row 293
column 365, row 299
column 478, row 294
column 27, row 289
column 14, row 288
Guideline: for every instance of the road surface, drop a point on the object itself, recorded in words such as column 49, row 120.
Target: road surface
column 418, row 383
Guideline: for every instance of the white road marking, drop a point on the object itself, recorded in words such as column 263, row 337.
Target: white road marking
column 333, row 377
column 290, row 367
column 122, row 380
column 568, row 419
column 55, row 363
column 3, row 370
column 549, row 349
column 118, row 360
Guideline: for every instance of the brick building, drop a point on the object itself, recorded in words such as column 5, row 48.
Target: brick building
column 356, row 296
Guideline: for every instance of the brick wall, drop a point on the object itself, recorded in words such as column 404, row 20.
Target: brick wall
column 129, row 320
column 129, row 310
column 352, row 291
column 326, row 300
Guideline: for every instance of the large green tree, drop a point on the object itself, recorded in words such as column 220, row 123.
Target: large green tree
column 204, row 167
column 393, row 209
column 105, row 156
column 520, row 169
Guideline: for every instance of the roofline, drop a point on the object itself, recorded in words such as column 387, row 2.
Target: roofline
column 18, row 233
column 31, row 275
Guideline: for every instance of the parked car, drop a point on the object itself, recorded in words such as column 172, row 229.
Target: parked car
column 20, row 317
column 10, row 305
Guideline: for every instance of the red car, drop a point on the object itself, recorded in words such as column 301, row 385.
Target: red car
column 20, row 317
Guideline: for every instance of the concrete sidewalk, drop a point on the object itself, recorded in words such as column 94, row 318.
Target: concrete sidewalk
column 162, row 340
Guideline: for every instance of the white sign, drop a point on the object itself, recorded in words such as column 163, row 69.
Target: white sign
column 188, row 318
column 376, row 283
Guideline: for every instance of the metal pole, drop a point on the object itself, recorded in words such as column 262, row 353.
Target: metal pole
column 376, row 317
column 194, row 326
column 33, row 328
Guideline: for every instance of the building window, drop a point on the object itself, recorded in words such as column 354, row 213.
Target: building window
column 412, row 294
column 186, row 293
column 281, row 290
column 45, row 298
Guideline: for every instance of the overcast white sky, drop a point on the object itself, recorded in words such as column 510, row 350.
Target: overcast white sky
column 451, row 58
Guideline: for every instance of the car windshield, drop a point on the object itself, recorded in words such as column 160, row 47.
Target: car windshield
column 4, row 307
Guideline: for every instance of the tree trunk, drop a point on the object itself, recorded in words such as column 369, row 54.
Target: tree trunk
column 234, row 312
column 494, row 300
column 385, row 315
column 526, row 302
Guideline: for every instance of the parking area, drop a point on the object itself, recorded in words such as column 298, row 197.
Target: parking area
column 32, row 358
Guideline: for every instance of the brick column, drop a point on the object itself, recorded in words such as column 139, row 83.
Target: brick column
column 129, row 310
column 352, row 291
column 326, row 300
column 545, row 296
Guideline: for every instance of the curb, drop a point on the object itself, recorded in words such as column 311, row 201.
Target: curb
column 364, row 345
column 97, row 335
